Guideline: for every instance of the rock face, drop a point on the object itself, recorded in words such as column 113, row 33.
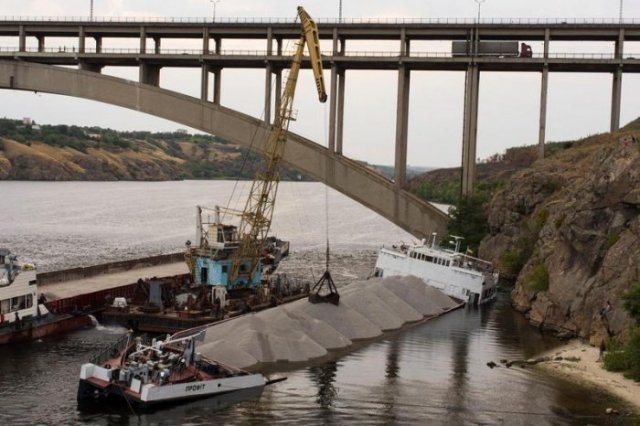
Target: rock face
column 577, row 216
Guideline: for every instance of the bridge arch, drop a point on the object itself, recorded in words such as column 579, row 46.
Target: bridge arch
column 343, row 174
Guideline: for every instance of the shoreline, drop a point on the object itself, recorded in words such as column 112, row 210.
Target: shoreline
column 588, row 370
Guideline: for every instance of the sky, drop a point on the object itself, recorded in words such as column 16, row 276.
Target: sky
column 578, row 104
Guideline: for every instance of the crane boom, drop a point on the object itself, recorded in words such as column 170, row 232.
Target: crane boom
column 256, row 218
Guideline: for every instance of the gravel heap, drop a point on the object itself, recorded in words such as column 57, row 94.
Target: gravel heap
column 300, row 331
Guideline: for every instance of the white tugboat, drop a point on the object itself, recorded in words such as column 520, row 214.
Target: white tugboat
column 457, row 274
column 159, row 372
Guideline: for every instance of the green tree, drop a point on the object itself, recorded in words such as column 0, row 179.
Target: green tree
column 469, row 220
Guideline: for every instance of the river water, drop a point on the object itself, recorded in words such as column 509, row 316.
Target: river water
column 430, row 373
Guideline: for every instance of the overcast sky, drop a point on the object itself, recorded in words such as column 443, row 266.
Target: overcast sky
column 578, row 104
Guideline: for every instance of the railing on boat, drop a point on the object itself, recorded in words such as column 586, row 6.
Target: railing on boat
column 117, row 347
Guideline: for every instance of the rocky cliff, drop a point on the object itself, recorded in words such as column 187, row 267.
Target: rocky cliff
column 568, row 229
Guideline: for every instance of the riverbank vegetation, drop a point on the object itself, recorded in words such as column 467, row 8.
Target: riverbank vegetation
column 623, row 352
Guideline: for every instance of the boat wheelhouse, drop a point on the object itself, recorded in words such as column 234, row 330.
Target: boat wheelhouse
column 23, row 314
column 18, row 290
column 457, row 274
column 212, row 259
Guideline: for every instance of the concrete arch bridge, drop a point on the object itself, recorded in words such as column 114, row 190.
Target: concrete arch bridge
column 343, row 174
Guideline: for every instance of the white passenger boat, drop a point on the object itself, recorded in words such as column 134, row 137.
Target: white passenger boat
column 457, row 274
column 159, row 372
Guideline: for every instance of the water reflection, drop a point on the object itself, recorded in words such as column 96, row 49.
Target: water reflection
column 324, row 377
column 393, row 356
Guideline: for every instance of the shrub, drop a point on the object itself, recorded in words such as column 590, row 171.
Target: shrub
column 512, row 262
column 540, row 219
column 538, row 278
column 631, row 301
column 632, row 348
column 616, row 358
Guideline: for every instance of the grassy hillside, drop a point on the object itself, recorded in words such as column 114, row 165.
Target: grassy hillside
column 443, row 185
column 62, row 152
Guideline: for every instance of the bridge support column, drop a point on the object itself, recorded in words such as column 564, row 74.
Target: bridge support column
column 470, row 129
column 333, row 93
column 22, row 39
column 143, row 40
column 543, row 111
column 98, row 44
column 204, row 82
column 217, row 74
column 149, row 74
column 616, row 94
column 547, row 39
column 40, row 43
column 81, row 40
column 616, row 89
column 205, row 41
column 342, row 81
column 267, row 94
column 333, row 102
column 217, row 85
column 157, row 44
column 206, row 68
column 402, row 122
column 278, row 90
column 268, row 91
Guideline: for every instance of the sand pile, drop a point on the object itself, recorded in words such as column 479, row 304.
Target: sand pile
column 300, row 331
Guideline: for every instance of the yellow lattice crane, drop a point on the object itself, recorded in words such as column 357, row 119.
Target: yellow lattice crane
column 256, row 217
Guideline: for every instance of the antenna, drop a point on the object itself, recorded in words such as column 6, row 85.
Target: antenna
column 91, row 11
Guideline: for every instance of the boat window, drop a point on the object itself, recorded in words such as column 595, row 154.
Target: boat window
column 5, row 306
column 429, row 259
column 16, row 303
column 225, row 269
column 448, row 263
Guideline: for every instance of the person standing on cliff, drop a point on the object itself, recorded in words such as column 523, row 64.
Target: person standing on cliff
column 605, row 310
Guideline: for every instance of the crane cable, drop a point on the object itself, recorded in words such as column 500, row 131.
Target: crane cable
column 326, row 194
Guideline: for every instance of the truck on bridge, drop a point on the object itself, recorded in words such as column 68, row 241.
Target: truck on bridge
column 501, row 49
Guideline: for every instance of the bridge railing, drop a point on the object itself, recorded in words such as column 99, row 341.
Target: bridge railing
column 348, row 21
column 72, row 50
